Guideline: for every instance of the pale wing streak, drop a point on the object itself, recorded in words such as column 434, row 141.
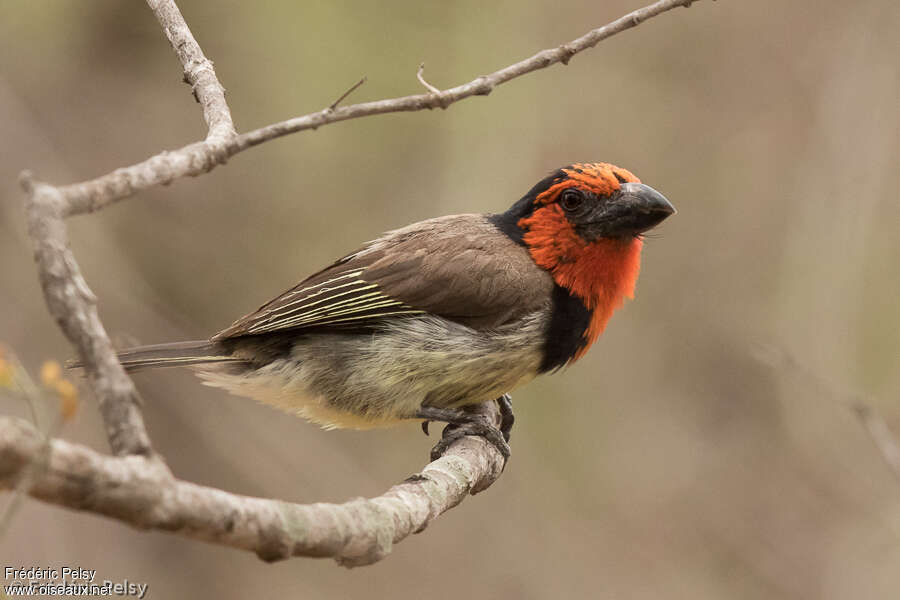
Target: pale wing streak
column 325, row 317
column 321, row 312
column 301, row 304
column 384, row 301
column 387, row 314
column 345, row 302
column 344, row 275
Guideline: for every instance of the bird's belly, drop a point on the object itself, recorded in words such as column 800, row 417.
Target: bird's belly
column 366, row 381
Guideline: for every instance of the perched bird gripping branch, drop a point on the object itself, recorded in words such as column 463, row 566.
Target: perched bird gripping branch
column 441, row 314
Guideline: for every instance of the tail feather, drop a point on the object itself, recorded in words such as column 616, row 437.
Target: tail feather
column 177, row 354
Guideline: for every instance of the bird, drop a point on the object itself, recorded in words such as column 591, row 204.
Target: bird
column 427, row 320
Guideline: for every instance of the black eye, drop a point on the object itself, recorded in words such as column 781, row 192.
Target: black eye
column 571, row 200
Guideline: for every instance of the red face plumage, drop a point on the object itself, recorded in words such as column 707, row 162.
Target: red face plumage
column 602, row 179
column 602, row 272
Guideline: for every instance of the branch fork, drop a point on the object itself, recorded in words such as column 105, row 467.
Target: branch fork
column 134, row 485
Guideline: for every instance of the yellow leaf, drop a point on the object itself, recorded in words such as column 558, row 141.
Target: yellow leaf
column 68, row 398
column 50, row 373
column 6, row 373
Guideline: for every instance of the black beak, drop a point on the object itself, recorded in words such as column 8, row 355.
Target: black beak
column 637, row 208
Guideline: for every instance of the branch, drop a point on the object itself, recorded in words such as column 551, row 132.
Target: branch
column 74, row 306
column 481, row 86
column 69, row 299
column 136, row 487
column 198, row 72
column 142, row 492
column 200, row 157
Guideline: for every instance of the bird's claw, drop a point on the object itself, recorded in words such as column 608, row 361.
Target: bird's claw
column 507, row 418
column 462, row 423
column 478, row 428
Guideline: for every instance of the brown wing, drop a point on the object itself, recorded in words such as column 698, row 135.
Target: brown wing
column 459, row 267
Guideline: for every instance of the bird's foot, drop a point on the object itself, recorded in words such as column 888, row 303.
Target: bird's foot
column 479, row 428
column 507, row 418
column 461, row 423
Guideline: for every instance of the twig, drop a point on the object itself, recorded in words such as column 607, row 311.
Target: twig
column 880, row 435
column 27, row 390
column 198, row 158
column 143, row 493
column 873, row 423
column 343, row 96
column 198, row 71
column 421, row 78
column 24, row 388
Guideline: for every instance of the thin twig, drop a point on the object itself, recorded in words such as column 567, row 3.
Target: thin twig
column 880, row 434
column 29, row 392
column 199, row 157
column 198, row 71
column 24, row 388
column 873, row 423
column 343, row 96
column 421, row 77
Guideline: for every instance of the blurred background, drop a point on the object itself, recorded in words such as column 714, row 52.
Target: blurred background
column 705, row 448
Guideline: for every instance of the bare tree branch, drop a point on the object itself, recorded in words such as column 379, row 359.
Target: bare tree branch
column 69, row 299
column 74, row 306
column 142, row 492
column 198, row 71
column 137, row 487
column 200, row 157
column 165, row 167
column 880, row 434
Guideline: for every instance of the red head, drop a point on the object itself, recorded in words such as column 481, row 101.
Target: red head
column 583, row 224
